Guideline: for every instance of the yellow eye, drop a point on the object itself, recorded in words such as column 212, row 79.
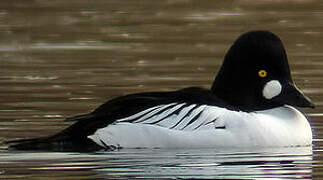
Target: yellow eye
column 262, row 73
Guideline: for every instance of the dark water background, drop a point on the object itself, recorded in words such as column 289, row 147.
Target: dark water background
column 61, row 58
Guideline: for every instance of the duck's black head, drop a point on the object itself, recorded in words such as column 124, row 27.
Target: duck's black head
column 255, row 74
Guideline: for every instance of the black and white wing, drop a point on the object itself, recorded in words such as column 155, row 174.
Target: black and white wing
column 185, row 109
column 177, row 116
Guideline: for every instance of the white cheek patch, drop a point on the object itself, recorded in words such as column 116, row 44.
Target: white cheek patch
column 271, row 89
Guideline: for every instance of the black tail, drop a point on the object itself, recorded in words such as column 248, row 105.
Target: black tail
column 61, row 142
column 42, row 143
column 72, row 139
column 54, row 143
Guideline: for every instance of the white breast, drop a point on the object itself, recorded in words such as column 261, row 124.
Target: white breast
column 202, row 126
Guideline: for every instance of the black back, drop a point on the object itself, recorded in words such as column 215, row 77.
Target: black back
column 75, row 137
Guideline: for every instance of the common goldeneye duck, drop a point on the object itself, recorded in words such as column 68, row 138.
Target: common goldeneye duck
column 251, row 104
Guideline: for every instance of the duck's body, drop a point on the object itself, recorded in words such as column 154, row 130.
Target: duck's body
column 215, row 127
column 250, row 104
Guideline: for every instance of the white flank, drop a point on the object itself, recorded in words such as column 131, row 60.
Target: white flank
column 203, row 126
column 272, row 89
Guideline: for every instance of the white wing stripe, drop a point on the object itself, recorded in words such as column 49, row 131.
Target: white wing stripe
column 163, row 116
column 154, row 112
column 197, row 119
column 139, row 114
column 189, row 117
column 202, row 120
column 179, row 118
column 184, row 116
